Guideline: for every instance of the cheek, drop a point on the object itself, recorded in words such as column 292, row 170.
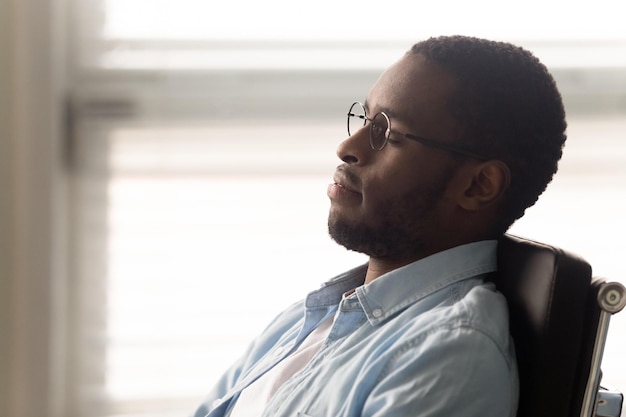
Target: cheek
column 414, row 187
column 383, row 193
column 403, row 174
column 397, row 177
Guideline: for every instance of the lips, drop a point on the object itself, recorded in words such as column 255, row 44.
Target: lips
column 345, row 187
column 347, row 180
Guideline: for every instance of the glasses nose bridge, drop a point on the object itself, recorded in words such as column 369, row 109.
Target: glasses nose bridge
column 359, row 122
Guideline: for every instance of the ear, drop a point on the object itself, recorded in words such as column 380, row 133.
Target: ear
column 485, row 185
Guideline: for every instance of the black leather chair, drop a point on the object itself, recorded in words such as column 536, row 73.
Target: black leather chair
column 559, row 319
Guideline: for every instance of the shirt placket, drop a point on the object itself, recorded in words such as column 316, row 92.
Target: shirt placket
column 347, row 319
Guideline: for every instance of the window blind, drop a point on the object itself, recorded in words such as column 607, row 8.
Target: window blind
column 201, row 235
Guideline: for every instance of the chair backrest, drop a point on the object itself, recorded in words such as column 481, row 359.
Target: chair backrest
column 554, row 319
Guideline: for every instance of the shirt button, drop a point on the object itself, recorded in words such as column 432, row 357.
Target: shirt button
column 377, row 312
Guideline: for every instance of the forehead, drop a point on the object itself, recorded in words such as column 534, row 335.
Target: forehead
column 412, row 90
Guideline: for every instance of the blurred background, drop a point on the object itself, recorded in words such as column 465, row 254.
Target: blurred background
column 163, row 172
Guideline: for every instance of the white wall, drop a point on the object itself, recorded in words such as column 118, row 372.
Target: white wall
column 30, row 203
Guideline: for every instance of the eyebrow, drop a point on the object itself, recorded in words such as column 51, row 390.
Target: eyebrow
column 388, row 111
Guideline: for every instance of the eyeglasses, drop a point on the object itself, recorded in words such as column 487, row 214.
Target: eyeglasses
column 380, row 130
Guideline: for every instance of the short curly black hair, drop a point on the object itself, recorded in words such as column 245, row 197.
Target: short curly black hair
column 509, row 108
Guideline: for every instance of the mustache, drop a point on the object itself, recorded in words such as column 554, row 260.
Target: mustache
column 349, row 176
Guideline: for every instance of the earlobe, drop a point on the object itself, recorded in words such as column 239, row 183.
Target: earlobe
column 486, row 184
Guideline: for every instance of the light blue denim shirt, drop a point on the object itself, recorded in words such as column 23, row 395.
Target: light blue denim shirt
column 428, row 339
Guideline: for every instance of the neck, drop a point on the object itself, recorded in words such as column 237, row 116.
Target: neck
column 380, row 266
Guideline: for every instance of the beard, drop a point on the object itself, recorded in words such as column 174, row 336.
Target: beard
column 402, row 227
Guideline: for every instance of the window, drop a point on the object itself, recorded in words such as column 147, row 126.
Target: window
column 204, row 141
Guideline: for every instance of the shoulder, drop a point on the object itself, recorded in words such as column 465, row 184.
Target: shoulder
column 472, row 317
column 459, row 349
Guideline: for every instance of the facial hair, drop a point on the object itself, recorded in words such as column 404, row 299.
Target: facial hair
column 402, row 227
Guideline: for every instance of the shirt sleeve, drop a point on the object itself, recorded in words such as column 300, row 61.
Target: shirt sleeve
column 448, row 372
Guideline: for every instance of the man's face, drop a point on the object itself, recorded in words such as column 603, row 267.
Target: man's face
column 390, row 203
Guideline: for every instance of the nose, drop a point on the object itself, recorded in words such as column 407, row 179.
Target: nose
column 356, row 148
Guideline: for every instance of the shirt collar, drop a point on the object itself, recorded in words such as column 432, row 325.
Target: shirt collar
column 331, row 292
column 404, row 286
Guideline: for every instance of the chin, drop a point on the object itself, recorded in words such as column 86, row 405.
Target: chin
column 359, row 238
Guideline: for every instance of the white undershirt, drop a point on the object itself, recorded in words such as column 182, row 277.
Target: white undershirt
column 254, row 398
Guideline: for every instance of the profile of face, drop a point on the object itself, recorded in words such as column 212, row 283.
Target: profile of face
column 391, row 203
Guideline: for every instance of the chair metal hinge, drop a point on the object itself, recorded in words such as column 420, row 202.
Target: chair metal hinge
column 609, row 403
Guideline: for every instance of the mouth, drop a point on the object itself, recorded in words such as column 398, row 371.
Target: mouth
column 347, row 179
column 345, row 186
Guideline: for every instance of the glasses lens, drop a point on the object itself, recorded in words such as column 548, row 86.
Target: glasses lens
column 378, row 131
column 356, row 118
